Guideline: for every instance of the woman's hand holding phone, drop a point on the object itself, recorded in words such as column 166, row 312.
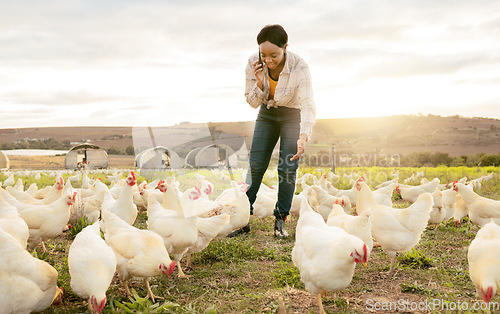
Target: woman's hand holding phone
column 259, row 73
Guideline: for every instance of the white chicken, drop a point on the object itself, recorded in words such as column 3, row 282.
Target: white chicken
column 438, row 212
column 449, row 198
column 124, row 205
column 488, row 177
column 31, row 190
column 411, row 193
column 265, row 201
column 481, row 209
column 167, row 222
column 396, row 230
column 235, row 203
column 395, row 174
column 308, row 178
column 52, row 193
column 325, row 256
column 232, row 201
column 177, row 231
column 440, row 186
column 46, row 221
column 297, row 199
column 139, row 253
column 412, row 178
column 208, row 229
column 352, row 193
column 331, row 189
column 44, row 192
column 91, row 206
column 12, row 223
column 461, row 210
column 484, row 261
column 75, row 178
column 204, row 185
column 322, row 202
column 19, row 185
column 10, row 181
column 359, row 226
column 386, row 183
column 92, row 265
column 27, row 284
column 383, row 195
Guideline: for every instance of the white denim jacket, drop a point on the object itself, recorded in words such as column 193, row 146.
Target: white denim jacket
column 294, row 90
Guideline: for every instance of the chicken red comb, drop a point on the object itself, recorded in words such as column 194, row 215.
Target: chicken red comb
column 160, row 183
column 361, row 179
column 74, row 196
column 243, row 186
column 132, row 174
column 337, row 201
column 60, row 184
column 172, row 267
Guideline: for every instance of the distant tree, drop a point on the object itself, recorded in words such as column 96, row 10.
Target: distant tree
column 441, row 159
column 130, row 150
column 6, row 146
column 114, row 150
column 490, row 160
column 22, row 145
column 38, row 145
column 66, row 144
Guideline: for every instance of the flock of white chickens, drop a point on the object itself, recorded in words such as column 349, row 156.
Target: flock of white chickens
column 341, row 226
column 375, row 219
column 179, row 223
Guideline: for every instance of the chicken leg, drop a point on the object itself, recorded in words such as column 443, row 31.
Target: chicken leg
column 150, row 293
column 127, row 290
column 44, row 248
column 393, row 260
column 320, row 303
column 181, row 274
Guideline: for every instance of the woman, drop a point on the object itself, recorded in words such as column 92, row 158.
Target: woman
column 279, row 82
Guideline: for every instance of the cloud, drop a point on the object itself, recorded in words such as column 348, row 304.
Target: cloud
column 404, row 65
column 57, row 98
column 158, row 61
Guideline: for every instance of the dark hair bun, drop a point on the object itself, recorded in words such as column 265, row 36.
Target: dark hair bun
column 274, row 34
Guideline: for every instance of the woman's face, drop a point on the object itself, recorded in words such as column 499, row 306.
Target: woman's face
column 272, row 55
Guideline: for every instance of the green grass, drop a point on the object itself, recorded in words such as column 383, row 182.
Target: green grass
column 415, row 259
column 250, row 273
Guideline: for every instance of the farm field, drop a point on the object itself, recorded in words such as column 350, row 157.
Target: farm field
column 254, row 273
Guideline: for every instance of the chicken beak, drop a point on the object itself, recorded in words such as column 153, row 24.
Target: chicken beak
column 364, row 265
column 57, row 297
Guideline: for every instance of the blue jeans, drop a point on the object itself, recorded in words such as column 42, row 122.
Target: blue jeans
column 281, row 123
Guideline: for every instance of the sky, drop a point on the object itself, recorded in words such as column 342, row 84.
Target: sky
column 159, row 63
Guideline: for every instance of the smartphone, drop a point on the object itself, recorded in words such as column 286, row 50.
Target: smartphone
column 260, row 59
